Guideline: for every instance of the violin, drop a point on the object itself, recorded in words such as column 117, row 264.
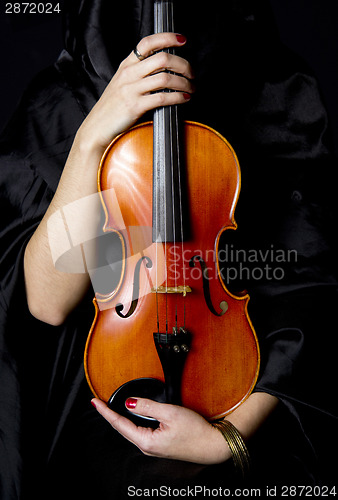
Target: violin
column 171, row 330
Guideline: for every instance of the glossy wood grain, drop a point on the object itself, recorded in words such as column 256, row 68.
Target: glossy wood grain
column 222, row 366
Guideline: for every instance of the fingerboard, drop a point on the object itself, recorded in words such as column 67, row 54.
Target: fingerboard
column 167, row 204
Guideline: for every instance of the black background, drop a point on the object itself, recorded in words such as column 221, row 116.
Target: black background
column 31, row 42
column 28, row 43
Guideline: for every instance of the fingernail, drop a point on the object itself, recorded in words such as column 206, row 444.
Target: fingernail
column 131, row 403
column 181, row 38
column 186, row 96
column 92, row 402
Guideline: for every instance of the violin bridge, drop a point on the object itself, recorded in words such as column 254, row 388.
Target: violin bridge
column 172, row 289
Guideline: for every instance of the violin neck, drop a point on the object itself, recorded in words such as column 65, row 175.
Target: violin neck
column 163, row 16
column 167, row 178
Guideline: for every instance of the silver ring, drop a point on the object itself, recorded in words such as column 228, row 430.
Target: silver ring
column 139, row 56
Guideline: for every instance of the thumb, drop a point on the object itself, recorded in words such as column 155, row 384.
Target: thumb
column 149, row 408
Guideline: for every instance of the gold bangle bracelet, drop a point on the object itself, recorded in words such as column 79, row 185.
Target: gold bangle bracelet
column 239, row 451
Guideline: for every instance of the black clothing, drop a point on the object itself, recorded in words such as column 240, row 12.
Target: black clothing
column 268, row 106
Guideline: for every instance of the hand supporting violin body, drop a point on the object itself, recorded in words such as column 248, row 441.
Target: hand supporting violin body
column 183, row 434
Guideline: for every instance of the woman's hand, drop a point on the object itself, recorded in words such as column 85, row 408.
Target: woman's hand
column 136, row 88
column 182, row 434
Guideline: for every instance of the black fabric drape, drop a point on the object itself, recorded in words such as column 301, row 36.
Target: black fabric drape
column 268, row 106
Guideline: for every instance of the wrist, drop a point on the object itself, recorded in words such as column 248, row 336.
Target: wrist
column 235, row 446
column 222, row 452
column 87, row 144
column 97, row 132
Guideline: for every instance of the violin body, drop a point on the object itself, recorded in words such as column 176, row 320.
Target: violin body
column 166, row 286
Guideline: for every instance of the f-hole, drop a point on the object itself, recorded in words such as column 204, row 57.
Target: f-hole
column 136, row 288
column 206, row 290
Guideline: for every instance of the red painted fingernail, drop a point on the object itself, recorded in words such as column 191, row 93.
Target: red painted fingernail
column 92, row 402
column 186, row 96
column 131, row 402
column 181, row 38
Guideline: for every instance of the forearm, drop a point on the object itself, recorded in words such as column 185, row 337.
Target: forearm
column 52, row 293
column 251, row 414
column 247, row 419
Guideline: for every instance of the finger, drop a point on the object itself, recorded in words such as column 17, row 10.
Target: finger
column 159, row 41
column 154, row 43
column 162, row 412
column 162, row 81
column 163, row 61
column 159, row 99
column 121, row 424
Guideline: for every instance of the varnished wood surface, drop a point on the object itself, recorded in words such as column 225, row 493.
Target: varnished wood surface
column 222, row 366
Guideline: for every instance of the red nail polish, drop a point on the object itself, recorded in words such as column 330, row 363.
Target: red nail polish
column 131, row 403
column 92, row 402
column 181, row 38
column 186, row 96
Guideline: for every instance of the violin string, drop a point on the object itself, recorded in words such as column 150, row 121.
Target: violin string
column 156, row 118
column 163, row 142
column 181, row 215
column 156, row 125
column 180, row 207
column 165, row 28
column 173, row 156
